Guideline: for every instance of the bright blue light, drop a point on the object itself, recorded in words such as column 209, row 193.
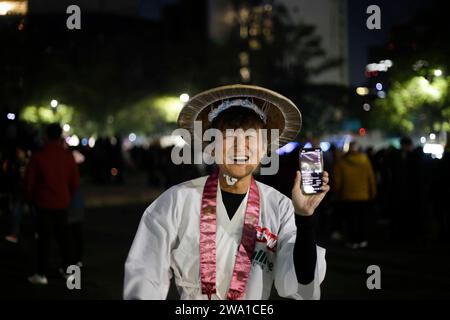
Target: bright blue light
column 288, row 148
column 307, row 145
column 381, row 94
column 132, row 137
column 84, row 142
column 379, row 86
column 325, row 146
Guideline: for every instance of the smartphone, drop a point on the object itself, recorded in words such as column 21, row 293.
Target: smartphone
column 311, row 167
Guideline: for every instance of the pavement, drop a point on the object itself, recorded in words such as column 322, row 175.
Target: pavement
column 408, row 271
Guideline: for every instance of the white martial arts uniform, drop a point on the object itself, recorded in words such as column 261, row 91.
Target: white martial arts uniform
column 168, row 240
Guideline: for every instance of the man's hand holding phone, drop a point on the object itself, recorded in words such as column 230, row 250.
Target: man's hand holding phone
column 311, row 183
column 304, row 204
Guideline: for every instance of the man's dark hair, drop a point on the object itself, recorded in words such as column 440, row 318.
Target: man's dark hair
column 238, row 118
column 53, row 131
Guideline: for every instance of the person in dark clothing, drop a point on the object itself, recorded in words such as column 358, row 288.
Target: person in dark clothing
column 407, row 185
column 354, row 184
column 51, row 180
column 440, row 191
column 17, row 167
column 75, row 224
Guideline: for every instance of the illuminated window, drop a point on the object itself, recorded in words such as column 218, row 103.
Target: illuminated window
column 243, row 57
column 244, row 14
column 245, row 74
column 254, row 30
column 254, row 44
column 19, row 7
column 244, row 31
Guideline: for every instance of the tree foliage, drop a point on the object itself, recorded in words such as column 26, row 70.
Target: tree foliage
column 418, row 98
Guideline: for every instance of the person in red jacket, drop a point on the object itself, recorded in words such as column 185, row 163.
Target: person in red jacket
column 51, row 180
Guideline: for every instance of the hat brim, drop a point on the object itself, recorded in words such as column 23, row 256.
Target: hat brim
column 282, row 113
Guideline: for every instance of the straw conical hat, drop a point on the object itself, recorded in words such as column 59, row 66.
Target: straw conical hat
column 281, row 113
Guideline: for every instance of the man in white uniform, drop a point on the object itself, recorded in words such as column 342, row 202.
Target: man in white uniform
column 227, row 236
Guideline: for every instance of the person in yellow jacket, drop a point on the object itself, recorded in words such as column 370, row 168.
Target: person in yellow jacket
column 355, row 188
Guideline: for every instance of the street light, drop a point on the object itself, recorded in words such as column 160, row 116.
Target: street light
column 437, row 73
column 132, row 137
column 4, row 8
column 362, row 91
column 381, row 94
column 54, row 103
column 184, row 97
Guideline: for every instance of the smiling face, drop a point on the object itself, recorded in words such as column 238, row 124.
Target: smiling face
column 243, row 144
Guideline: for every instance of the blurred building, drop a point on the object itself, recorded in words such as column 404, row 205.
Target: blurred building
column 183, row 19
column 12, row 23
column 118, row 7
column 177, row 18
column 12, row 14
column 254, row 19
column 330, row 19
column 15, row 7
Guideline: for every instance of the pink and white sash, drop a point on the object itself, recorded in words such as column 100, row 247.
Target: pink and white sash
column 242, row 264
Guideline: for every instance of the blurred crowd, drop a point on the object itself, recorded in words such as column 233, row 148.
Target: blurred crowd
column 403, row 190
column 40, row 187
column 44, row 185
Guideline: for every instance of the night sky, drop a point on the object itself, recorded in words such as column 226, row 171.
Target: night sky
column 361, row 38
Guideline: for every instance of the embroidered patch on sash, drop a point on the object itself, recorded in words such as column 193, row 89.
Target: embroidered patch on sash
column 265, row 236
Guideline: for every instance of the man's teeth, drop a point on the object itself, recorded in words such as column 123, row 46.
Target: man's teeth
column 243, row 158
